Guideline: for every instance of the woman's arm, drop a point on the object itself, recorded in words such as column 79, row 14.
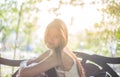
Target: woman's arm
column 44, row 65
column 36, row 60
column 10, row 62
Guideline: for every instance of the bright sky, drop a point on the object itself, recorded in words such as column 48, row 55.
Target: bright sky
column 84, row 17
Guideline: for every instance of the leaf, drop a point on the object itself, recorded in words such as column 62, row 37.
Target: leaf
column 118, row 34
column 14, row 10
column 1, row 16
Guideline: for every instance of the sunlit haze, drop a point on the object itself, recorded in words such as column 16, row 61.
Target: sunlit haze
column 83, row 17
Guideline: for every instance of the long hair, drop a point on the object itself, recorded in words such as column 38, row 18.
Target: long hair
column 79, row 65
column 80, row 68
column 60, row 26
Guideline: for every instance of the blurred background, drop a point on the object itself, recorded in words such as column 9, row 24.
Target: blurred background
column 93, row 25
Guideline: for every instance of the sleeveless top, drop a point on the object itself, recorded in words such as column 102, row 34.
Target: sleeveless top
column 73, row 72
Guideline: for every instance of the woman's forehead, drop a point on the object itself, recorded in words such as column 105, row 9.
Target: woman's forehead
column 53, row 31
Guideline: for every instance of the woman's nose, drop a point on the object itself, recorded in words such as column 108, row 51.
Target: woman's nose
column 50, row 39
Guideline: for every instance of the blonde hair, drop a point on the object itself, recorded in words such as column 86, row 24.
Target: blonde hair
column 62, row 30
column 63, row 33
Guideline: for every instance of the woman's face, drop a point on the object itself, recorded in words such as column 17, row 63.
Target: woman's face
column 53, row 38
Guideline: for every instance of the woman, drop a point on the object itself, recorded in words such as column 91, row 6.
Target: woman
column 59, row 56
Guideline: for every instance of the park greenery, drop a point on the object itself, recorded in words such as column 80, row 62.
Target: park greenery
column 19, row 22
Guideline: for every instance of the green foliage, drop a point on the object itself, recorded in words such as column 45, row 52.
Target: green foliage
column 17, row 21
column 113, row 9
column 15, row 10
column 7, row 76
column 118, row 34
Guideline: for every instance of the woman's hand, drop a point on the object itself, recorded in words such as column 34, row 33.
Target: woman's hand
column 22, row 65
column 40, row 75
